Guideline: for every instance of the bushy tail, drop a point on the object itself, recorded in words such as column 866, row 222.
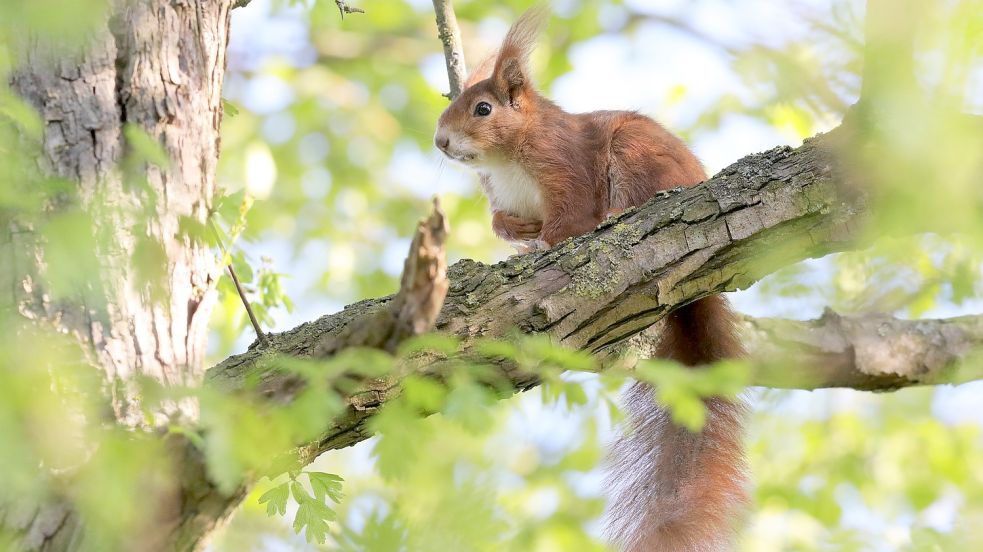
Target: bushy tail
column 673, row 490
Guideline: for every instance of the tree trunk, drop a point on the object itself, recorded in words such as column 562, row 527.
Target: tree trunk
column 157, row 66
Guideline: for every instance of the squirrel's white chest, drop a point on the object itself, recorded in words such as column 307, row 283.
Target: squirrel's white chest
column 511, row 189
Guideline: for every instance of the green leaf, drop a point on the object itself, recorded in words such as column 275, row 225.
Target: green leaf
column 400, row 435
column 379, row 534
column 470, row 405
column 145, row 147
column 21, row 113
column 195, row 230
column 276, row 499
column 312, row 512
column 229, row 108
column 326, row 484
column 685, row 408
column 574, row 394
column 497, row 348
column 371, row 363
column 71, row 253
column 244, row 271
column 314, row 517
column 299, row 493
column 424, row 394
column 545, row 350
column 228, row 207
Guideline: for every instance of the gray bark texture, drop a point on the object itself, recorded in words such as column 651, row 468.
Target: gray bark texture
column 155, row 65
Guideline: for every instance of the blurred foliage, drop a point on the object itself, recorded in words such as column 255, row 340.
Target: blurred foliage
column 326, row 155
column 866, row 474
column 498, row 487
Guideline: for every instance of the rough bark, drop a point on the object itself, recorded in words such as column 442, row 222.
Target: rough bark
column 597, row 291
column 155, row 65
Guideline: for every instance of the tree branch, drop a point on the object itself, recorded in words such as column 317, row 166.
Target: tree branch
column 872, row 352
column 344, row 8
column 249, row 309
column 450, row 36
column 596, row 291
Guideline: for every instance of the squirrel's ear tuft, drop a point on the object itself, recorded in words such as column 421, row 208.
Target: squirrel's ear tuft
column 511, row 73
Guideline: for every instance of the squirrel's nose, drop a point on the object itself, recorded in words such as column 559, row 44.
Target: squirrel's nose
column 442, row 141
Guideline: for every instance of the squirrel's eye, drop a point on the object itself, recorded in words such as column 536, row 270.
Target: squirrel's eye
column 482, row 109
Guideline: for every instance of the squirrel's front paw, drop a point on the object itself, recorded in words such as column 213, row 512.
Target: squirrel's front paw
column 523, row 247
column 528, row 246
column 515, row 228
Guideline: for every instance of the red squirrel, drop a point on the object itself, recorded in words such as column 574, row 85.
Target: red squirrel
column 550, row 175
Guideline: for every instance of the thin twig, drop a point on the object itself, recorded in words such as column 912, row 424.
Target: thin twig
column 344, row 8
column 242, row 293
column 249, row 308
column 450, row 35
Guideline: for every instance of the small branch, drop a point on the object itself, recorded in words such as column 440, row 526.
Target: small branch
column 869, row 352
column 872, row 352
column 344, row 8
column 249, row 309
column 241, row 3
column 424, row 284
column 235, row 280
column 414, row 309
column 450, row 35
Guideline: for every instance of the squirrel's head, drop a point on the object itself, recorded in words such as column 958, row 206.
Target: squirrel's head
column 493, row 111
